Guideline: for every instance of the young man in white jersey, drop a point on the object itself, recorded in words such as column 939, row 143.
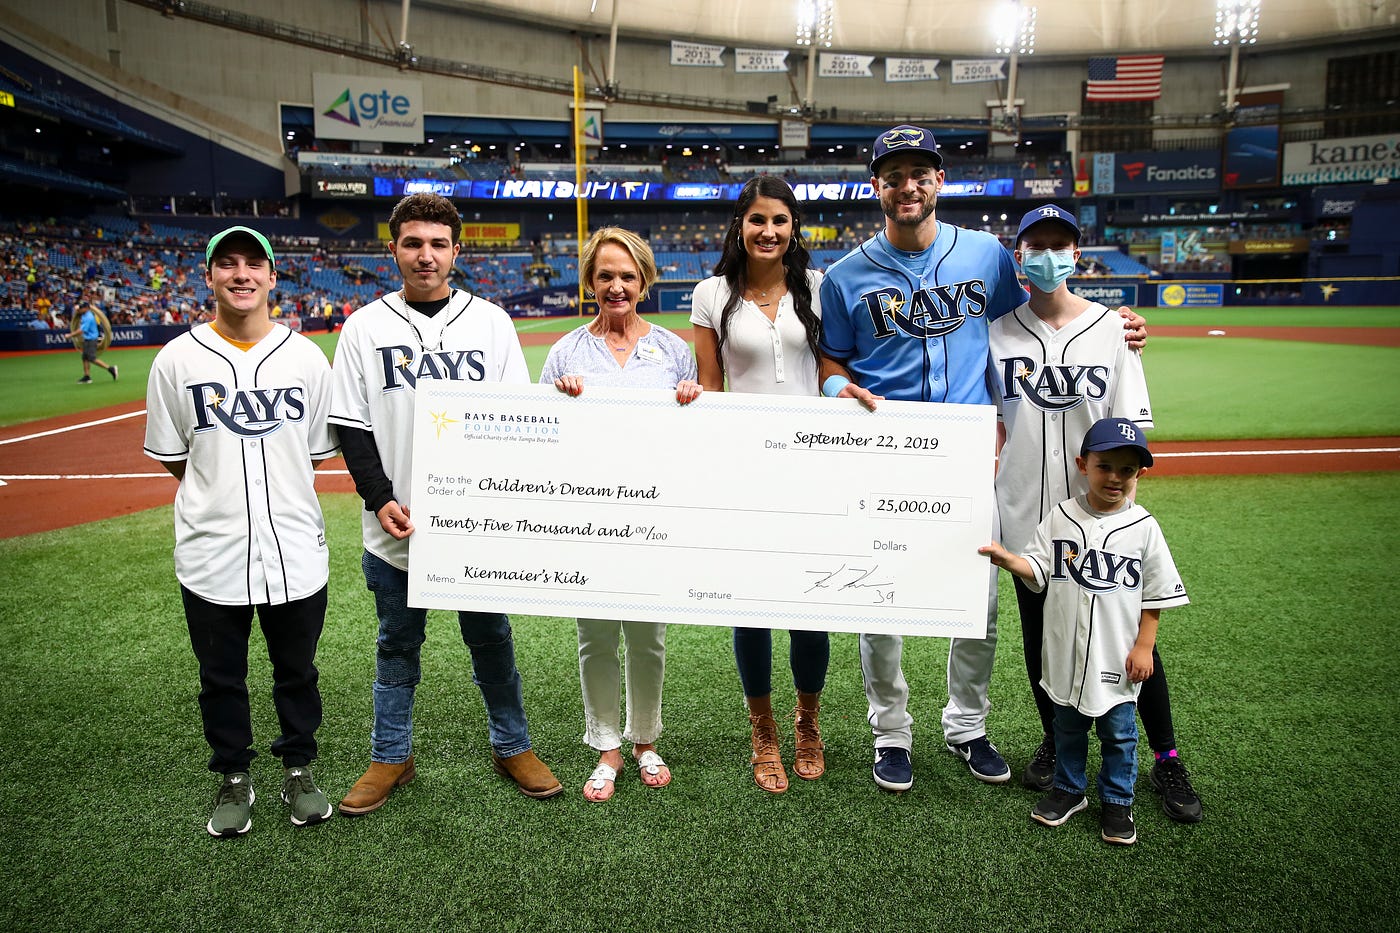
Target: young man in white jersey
column 1058, row 364
column 236, row 410
column 427, row 330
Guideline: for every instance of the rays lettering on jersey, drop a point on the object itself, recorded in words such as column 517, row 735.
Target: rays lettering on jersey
column 251, row 413
column 1054, row 387
column 402, row 368
column 1094, row 570
column 932, row 312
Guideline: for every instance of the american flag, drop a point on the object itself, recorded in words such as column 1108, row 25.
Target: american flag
column 1126, row 77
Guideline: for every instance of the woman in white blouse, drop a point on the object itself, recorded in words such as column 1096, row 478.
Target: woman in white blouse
column 619, row 349
column 757, row 321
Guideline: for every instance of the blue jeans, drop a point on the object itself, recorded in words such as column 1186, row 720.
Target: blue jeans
column 808, row 654
column 1117, row 733
column 397, row 671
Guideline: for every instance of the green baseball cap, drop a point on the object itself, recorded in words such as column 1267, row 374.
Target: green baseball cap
column 248, row 232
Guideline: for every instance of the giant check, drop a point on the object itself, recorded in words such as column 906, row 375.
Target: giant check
column 751, row 510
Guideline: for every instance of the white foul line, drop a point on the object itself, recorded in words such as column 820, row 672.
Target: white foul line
column 162, row 475
column 1277, row 453
column 75, row 427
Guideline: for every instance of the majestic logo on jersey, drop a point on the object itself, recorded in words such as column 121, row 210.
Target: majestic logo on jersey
column 932, row 312
column 402, row 368
column 1054, row 387
column 252, row 413
column 1094, row 570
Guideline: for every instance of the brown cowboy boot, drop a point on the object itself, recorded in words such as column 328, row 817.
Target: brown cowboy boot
column 371, row 790
column 809, row 762
column 768, row 770
column 531, row 775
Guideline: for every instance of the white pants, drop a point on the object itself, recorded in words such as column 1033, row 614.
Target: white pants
column 970, row 664
column 600, row 674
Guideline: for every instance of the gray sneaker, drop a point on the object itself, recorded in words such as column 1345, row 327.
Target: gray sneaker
column 233, row 807
column 299, row 791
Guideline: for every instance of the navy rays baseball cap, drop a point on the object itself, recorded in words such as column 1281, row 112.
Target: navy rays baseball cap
column 1048, row 212
column 238, row 233
column 904, row 138
column 1112, row 433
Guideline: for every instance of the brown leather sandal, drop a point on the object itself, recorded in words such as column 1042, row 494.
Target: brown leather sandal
column 768, row 770
column 809, row 763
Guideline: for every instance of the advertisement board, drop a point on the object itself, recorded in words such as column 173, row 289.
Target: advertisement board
column 1190, row 295
column 382, row 109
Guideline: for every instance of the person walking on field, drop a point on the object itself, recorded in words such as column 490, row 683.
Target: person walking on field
column 88, row 329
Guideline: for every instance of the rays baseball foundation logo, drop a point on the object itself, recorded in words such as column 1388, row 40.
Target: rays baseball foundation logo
column 1094, row 570
column 932, row 312
column 253, row 413
column 1053, row 387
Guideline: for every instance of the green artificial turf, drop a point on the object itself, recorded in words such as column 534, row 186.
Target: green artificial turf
column 1285, row 674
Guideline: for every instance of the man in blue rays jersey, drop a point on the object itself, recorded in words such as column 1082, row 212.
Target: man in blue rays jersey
column 904, row 316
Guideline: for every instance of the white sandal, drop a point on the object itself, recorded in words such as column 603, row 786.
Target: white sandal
column 602, row 776
column 650, row 763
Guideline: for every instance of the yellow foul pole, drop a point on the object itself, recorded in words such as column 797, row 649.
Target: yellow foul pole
column 580, row 174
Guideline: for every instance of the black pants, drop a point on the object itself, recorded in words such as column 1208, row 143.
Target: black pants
column 219, row 636
column 1154, row 705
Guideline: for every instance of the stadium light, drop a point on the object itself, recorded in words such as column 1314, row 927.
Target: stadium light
column 1013, row 27
column 814, row 22
column 1237, row 22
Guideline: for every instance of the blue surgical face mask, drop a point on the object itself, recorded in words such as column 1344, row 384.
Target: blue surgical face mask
column 1047, row 268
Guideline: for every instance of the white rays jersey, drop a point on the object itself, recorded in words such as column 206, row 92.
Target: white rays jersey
column 248, row 526
column 1100, row 570
column 385, row 348
column 1050, row 387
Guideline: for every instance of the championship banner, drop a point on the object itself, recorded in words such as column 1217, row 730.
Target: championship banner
column 696, row 55
column 378, row 109
column 753, row 61
column 975, row 70
column 911, row 69
column 840, row 65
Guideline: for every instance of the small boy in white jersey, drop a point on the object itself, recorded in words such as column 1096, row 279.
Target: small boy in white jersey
column 1107, row 573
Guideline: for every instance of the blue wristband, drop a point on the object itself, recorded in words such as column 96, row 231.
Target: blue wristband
column 833, row 385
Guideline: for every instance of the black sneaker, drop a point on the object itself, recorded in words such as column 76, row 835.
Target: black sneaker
column 1116, row 824
column 1057, row 806
column 1040, row 773
column 86, row 380
column 1171, row 779
column 893, row 769
column 983, row 760
column 113, row 371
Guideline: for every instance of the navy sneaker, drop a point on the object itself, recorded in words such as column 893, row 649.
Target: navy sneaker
column 1171, row 779
column 893, row 769
column 983, row 760
column 1116, row 824
column 1057, row 806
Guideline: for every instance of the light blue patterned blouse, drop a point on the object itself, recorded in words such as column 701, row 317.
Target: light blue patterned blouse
column 660, row 360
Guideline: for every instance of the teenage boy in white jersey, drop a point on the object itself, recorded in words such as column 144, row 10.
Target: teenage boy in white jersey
column 427, row 330
column 236, row 410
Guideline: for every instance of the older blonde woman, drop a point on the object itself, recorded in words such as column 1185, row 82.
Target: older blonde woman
column 619, row 349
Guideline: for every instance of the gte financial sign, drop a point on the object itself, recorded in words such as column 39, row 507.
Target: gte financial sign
column 382, row 109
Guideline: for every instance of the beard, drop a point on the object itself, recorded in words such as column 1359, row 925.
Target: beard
column 891, row 209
